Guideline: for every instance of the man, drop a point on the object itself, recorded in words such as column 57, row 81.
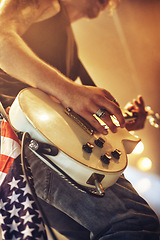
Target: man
column 38, row 49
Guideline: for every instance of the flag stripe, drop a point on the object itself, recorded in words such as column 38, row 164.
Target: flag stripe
column 11, row 148
column 2, row 177
column 20, row 217
column 6, row 131
column 5, row 163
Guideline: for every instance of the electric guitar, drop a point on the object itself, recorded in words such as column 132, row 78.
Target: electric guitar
column 90, row 159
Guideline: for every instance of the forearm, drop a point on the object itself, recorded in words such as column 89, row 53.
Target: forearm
column 18, row 60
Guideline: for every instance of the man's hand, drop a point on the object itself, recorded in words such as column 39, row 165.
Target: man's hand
column 86, row 101
column 138, row 107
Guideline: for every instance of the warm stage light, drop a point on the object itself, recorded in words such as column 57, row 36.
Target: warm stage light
column 139, row 148
column 144, row 164
column 2, row 3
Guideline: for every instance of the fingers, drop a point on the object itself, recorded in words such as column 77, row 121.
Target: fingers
column 109, row 103
column 86, row 101
column 113, row 108
column 101, row 127
column 95, row 123
column 138, row 106
column 140, row 103
column 107, row 117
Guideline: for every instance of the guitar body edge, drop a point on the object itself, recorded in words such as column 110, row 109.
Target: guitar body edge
column 77, row 171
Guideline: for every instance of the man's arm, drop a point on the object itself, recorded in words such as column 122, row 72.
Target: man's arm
column 16, row 58
column 19, row 61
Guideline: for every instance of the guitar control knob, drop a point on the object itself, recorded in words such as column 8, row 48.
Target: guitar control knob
column 106, row 158
column 99, row 142
column 88, row 147
column 116, row 154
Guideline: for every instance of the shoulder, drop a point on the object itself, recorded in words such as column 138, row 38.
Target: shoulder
column 19, row 15
column 52, row 7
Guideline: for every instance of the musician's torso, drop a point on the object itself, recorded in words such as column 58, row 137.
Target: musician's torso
column 53, row 41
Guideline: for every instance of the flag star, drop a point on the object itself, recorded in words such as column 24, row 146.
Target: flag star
column 2, row 218
column 27, row 204
column 41, row 227
column 14, row 211
column 3, row 234
column 23, row 178
column 2, row 204
column 39, row 213
column 26, row 190
column 27, row 218
column 27, row 232
column 14, row 226
column 13, row 183
column 15, row 238
column 14, row 197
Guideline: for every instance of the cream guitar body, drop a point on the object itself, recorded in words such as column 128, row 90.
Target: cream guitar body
column 85, row 156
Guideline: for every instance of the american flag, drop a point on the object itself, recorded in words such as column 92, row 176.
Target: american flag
column 19, row 215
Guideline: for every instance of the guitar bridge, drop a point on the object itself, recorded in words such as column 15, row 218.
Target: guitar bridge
column 80, row 121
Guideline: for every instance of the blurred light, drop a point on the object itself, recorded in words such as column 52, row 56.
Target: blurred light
column 143, row 185
column 43, row 117
column 139, row 148
column 2, row 3
column 144, row 164
column 154, row 118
